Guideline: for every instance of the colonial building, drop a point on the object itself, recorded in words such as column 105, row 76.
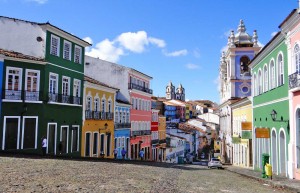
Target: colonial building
column 98, row 119
column 134, row 88
column 270, row 98
column 42, row 88
column 171, row 94
column 291, row 27
column 235, row 80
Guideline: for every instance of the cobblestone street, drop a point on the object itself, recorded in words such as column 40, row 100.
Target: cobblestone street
column 50, row 175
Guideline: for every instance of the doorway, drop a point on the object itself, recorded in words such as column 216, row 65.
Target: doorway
column 51, row 136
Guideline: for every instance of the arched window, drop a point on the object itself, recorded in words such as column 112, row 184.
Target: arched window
column 88, row 103
column 272, row 74
column 280, row 70
column 127, row 118
column 103, row 105
column 109, row 106
column 259, row 82
column 254, row 85
column 266, row 78
column 97, row 104
column 244, row 61
column 116, row 116
column 297, row 58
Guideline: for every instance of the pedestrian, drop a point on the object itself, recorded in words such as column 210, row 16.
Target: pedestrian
column 123, row 152
column 44, row 145
column 115, row 153
column 141, row 154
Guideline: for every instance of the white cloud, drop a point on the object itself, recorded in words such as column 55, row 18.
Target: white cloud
column 273, row 33
column 135, row 42
column 192, row 66
column 196, row 53
column 176, row 53
column 38, row 1
column 106, row 50
column 160, row 43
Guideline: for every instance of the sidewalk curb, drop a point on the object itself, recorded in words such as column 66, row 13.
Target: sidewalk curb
column 274, row 184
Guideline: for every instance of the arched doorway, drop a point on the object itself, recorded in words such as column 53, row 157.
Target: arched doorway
column 274, row 152
column 282, row 151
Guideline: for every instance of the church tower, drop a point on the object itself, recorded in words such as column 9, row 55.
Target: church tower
column 180, row 93
column 170, row 91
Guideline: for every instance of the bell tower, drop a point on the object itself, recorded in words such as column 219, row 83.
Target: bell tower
column 170, row 91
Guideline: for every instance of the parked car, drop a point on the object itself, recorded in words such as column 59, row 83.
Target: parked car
column 215, row 163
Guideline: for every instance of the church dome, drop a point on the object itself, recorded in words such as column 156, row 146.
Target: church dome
column 242, row 38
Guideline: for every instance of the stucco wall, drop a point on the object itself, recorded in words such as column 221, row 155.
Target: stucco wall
column 109, row 73
column 25, row 34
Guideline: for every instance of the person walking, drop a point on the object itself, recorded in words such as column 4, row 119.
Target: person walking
column 141, row 154
column 115, row 153
column 123, row 152
column 44, row 145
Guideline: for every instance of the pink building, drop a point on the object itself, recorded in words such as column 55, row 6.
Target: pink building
column 291, row 26
column 140, row 114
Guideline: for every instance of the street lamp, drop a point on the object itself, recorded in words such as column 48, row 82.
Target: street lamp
column 105, row 127
column 273, row 115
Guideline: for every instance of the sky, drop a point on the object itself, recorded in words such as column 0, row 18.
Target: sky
column 170, row 40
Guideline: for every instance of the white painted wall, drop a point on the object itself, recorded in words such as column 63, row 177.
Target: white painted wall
column 21, row 36
column 210, row 117
column 109, row 73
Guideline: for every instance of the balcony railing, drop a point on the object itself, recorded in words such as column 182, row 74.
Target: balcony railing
column 22, row 95
column 60, row 98
column 98, row 115
column 162, row 141
column 122, row 125
column 141, row 132
column 294, row 80
column 155, row 141
column 139, row 87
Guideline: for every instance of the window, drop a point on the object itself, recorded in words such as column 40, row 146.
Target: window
column 87, row 144
column 103, row 105
column 53, row 87
column 29, row 133
column 88, row 103
column 280, row 70
column 127, row 118
column 75, row 139
column 116, row 116
column 54, row 48
column 67, row 50
column 64, row 138
column 124, row 117
column 65, row 89
column 32, row 85
column 266, row 79
column 97, row 105
column 76, row 91
column 297, row 58
column 102, row 143
column 13, row 83
column 272, row 73
column 244, row 64
column 109, row 106
column 77, row 54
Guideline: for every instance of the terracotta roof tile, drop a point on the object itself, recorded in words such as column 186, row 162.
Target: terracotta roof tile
column 91, row 80
column 13, row 54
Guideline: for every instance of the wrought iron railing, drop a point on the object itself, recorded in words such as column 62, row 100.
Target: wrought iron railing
column 294, row 80
column 98, row 115
column 61, row 98
column 162, row 141
column 155, row 141
column 140, row 88
column 22, row 95
column 122, row 125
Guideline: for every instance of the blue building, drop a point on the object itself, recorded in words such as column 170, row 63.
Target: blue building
column 122, row 127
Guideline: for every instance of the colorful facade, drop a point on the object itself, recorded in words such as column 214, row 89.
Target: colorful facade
column 40, row 79
column 242, row 132
column 98, row 119
column 270, row 96
column 122, row 128
column 155, row 135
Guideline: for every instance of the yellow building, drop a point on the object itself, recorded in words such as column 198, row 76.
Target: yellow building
column 162, row 136
column 98, row 119
column 242, row 132
column 188, row 107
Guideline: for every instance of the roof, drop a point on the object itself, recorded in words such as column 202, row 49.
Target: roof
column 123, row 102
column 288, row 17
column 19, row 55
column 48, row 24
column 91, row 80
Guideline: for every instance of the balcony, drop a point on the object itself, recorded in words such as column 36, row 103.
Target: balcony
column 294, row 80
column 98, row 115
column 155, row 141
column 60, row 98
column 162, row 141
column 122, row 125
column 21, row 95
column 140, row 88
column 141, row 132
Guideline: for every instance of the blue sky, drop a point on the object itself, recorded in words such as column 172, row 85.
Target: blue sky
column 178, row 40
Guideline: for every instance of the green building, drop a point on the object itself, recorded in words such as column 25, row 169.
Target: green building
column 43, row 77
column 271, row 105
